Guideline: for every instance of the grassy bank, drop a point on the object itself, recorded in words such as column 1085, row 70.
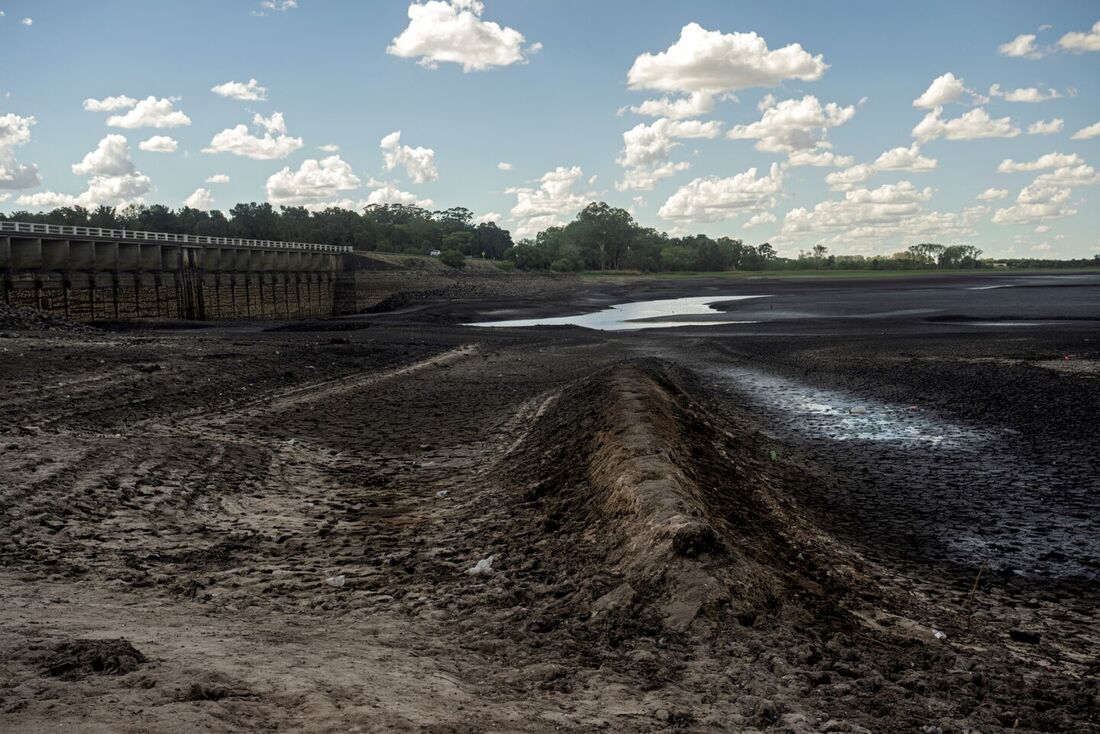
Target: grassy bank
column 615, row 275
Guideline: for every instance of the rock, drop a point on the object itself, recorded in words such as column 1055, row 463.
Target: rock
column 693, row 539
column 618, row 598
column 1026, row 636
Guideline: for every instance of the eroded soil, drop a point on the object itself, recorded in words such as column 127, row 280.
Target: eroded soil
column 234, row 529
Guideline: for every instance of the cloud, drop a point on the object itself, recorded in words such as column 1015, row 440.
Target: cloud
column 159, row 144
column 552, row 203
column 887, row 214
column 274, row 124
column 419, row 163
column 761, row 218
column 1082, row 42
column 249, row 91
column 389, row 194
column 114, row 180
column 27, row 22
column 895, row 159
column 150, row 112
column 1087, row 133
column 504, row 166
column 329, row 148
column 1048, row 196
column 1046, row 127
column 694, row 105
column 992, row 194
column 712, row 62
column 943, row 90
column 487, row 217
column 15, row 131
column 793, row 125
column 200, row 199
column 453, row 32
column 110, row 158
column 1025, row 94
column 109, row 104
column 313, row 182
column 646, row 150
column 1037, row 203
column 1022, row 46
column 239, row 141
column 279, row 6
column 973, row 125
column 1050, row 160
column 714, row 199
column 218, row 178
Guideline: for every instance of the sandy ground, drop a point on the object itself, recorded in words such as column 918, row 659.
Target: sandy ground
column 240, row 529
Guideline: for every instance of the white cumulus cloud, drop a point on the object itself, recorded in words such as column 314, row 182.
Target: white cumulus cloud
column 1082, row 42
column 972, row 125
column 895, row 159
column 218, row 178
column 200, row 199
column 109, row 104
column 1024, row 94
column 239, row 141
column 1087, row 133
column 1050, row 160
column 504, row 166
column 1022, row 46
column 943, row 90
column 113, row 180
column 992, row 194
column 390, row 194
column 159, row 144
column 712, row 62
column 1046, row 127
column 714, row 199
column 150, row 112
column 313, row 182
column 794, row 125
column 454, row 32
column 694, row 105
column 15, row 130
column 646, row 150
column 249, row 91
column 550, row 204
column 419, row 163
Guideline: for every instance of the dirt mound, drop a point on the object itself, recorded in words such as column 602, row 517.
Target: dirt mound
column 630, row 468
column 14, row 318
column 79, row 658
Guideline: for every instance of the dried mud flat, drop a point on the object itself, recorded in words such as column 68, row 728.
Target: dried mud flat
column 233, row 529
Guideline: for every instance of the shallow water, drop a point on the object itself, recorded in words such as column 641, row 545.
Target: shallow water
column 844, row 417
column 635, row 315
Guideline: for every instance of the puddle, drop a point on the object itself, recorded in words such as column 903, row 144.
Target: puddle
column 640, row 315
column 822, row 413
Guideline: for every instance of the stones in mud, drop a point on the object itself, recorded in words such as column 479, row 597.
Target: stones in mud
column 79, row 658
column 621, row 597
column 694, row 539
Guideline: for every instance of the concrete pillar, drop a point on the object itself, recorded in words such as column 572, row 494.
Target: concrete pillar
column 26, row 253
column 129, row 256
column 55, row 255
column 106, row 256
column 5, row 253
column 213, row 261
column 149, row 257
column 82, row 255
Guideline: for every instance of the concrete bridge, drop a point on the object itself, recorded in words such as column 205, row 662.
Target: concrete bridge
column 89, row 273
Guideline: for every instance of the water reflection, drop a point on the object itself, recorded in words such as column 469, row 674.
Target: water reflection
column 669, row 312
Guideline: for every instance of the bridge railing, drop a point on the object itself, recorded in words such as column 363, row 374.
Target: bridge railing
column 183, row 239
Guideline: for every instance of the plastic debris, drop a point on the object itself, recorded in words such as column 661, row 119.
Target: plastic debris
column 442, row 493
column 774, row 456
column 858, row 410
column 336, row 581
column 484, row 567
column 939, row 635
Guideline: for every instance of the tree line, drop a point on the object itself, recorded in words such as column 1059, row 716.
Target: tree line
column 600, row 237
column 378, row 228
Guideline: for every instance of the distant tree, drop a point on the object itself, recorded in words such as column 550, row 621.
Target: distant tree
column 453, row 258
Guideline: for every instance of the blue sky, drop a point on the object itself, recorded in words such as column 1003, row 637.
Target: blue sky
column 547, row 86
